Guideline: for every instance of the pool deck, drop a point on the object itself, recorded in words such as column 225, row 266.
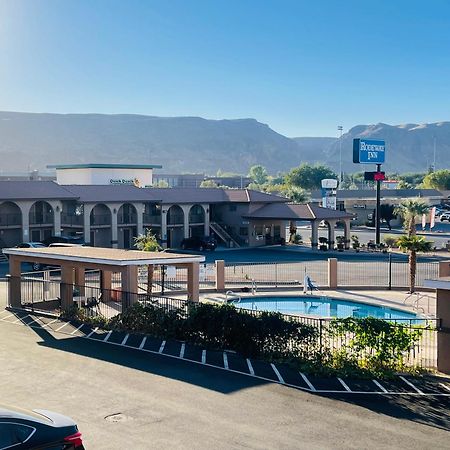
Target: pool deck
column 394, row 299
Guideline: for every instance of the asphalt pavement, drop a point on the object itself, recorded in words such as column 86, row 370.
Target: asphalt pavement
column 124, row 397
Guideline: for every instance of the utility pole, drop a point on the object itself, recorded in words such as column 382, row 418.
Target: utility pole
column 434, row 153
column 340, row 128
column 377, row 208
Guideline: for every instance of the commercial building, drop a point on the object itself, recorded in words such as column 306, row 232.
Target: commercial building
column 361, row 202
column 89, row 201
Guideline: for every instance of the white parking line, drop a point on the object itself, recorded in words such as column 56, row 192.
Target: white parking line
column 411, row 385
column 344, row 384
column 445, row 386
column 7, row 317
column 21, row 318
column 250, row 367
column 203, row 356
column 277, row 373
column 92, row 332
column 74, row 331
column 62, row 326
column 8, row 314
column 225, row 360
column 161, row 349
column 143, row 343
column 108, row 335
column 51, row 321
column 305, row 379
column 182, row 349
column 125, row 339
column 383, row 389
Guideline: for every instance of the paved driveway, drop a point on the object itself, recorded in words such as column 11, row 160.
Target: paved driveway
column 126, row 398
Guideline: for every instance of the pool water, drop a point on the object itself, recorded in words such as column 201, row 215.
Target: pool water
column 322, row 307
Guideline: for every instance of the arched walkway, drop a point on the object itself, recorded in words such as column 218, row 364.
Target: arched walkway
column 196, row 221
column 10, row 224
column 41, row 217
column 127, row 222
column 100, row 219
column 175, row 226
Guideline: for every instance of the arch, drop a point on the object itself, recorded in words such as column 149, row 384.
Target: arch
column 10, row 214
column 127, row 214
column 197, row 214
column 175, row 215
column 100, row 215
column 41, row 212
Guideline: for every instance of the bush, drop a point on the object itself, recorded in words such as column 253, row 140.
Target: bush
column 390, row 241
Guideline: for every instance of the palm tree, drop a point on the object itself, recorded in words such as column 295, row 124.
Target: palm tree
column 148, row 243
column 414, row 245
column 409, row 210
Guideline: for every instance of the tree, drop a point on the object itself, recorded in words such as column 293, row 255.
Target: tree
column 208, row 184
column 148, row 243
column 309, row 176
column 161, row 184
column 411, row 179
column 258, row 174
column 294, row 193
column 438, row 180
column 387, row 213
column 409, row 210
column 413, row 245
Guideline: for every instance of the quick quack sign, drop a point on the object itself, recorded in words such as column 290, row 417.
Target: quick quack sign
column 368, row 151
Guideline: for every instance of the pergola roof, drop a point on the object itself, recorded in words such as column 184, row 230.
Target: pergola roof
column 291, row 211
column 108, row 256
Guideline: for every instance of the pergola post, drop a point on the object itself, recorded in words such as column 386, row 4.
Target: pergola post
column 66, row 287
column 443, row 335
column 14, row 287
column 80, row 279
column 331, row 225
column 105, row 285
column 193, row 281
column 314, row 234
column 129, row 286
column 347, row 233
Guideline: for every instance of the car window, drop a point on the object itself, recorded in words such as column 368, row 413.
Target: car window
column 12, row 434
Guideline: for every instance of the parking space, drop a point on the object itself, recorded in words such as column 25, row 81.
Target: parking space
column 230, row 361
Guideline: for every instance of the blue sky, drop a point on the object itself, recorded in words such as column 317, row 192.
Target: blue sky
column 303, row 67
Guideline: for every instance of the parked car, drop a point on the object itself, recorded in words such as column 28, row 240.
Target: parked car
column 37, row 429
column 445, row 216
column 199, row 243
column 63, row 240
column 35, row 266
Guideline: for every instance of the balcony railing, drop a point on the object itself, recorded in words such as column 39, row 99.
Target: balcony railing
column 100, row 219
column 9, row 220
column 126, row 218
column 196, row 218
column 41, row 218
column 151, row 218
column 72, row 219
column 175, row 219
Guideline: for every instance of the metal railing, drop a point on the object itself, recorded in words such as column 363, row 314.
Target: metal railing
column 72, row 219
column 9, row 220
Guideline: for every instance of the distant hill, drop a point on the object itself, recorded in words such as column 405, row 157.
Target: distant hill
column 409, row 147
column 180, row 144
column 193, row 144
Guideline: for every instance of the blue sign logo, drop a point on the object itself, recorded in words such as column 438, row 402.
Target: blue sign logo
column 368, row 151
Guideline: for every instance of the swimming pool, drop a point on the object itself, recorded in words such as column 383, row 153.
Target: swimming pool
column 322, row 307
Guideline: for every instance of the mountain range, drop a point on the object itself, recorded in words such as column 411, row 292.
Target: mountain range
column 194, row 144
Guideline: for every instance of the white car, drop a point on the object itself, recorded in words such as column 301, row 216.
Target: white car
column 445, row 216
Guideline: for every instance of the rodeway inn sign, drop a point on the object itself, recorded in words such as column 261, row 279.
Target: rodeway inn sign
column 368, row 151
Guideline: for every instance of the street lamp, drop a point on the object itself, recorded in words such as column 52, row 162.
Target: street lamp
column 340, row 129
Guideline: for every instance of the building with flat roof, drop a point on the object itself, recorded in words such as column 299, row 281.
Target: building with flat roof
column 140, row 175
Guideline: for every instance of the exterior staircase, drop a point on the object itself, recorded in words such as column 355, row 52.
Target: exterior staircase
column 224, row 235
column 3, row 257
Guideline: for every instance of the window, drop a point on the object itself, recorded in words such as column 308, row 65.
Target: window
column 12, row 434
column 232, row 207
column 277, row 231
column 243, row 231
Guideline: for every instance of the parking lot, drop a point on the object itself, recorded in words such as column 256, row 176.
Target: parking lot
column 128, row 391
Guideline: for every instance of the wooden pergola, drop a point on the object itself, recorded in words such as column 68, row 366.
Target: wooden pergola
column 74, row 261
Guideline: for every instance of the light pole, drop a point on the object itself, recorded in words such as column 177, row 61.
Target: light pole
column 340, row 128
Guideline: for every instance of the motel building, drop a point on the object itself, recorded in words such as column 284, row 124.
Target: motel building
column 110, row 204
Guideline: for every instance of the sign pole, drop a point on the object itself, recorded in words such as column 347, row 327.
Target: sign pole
column 377, row 209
